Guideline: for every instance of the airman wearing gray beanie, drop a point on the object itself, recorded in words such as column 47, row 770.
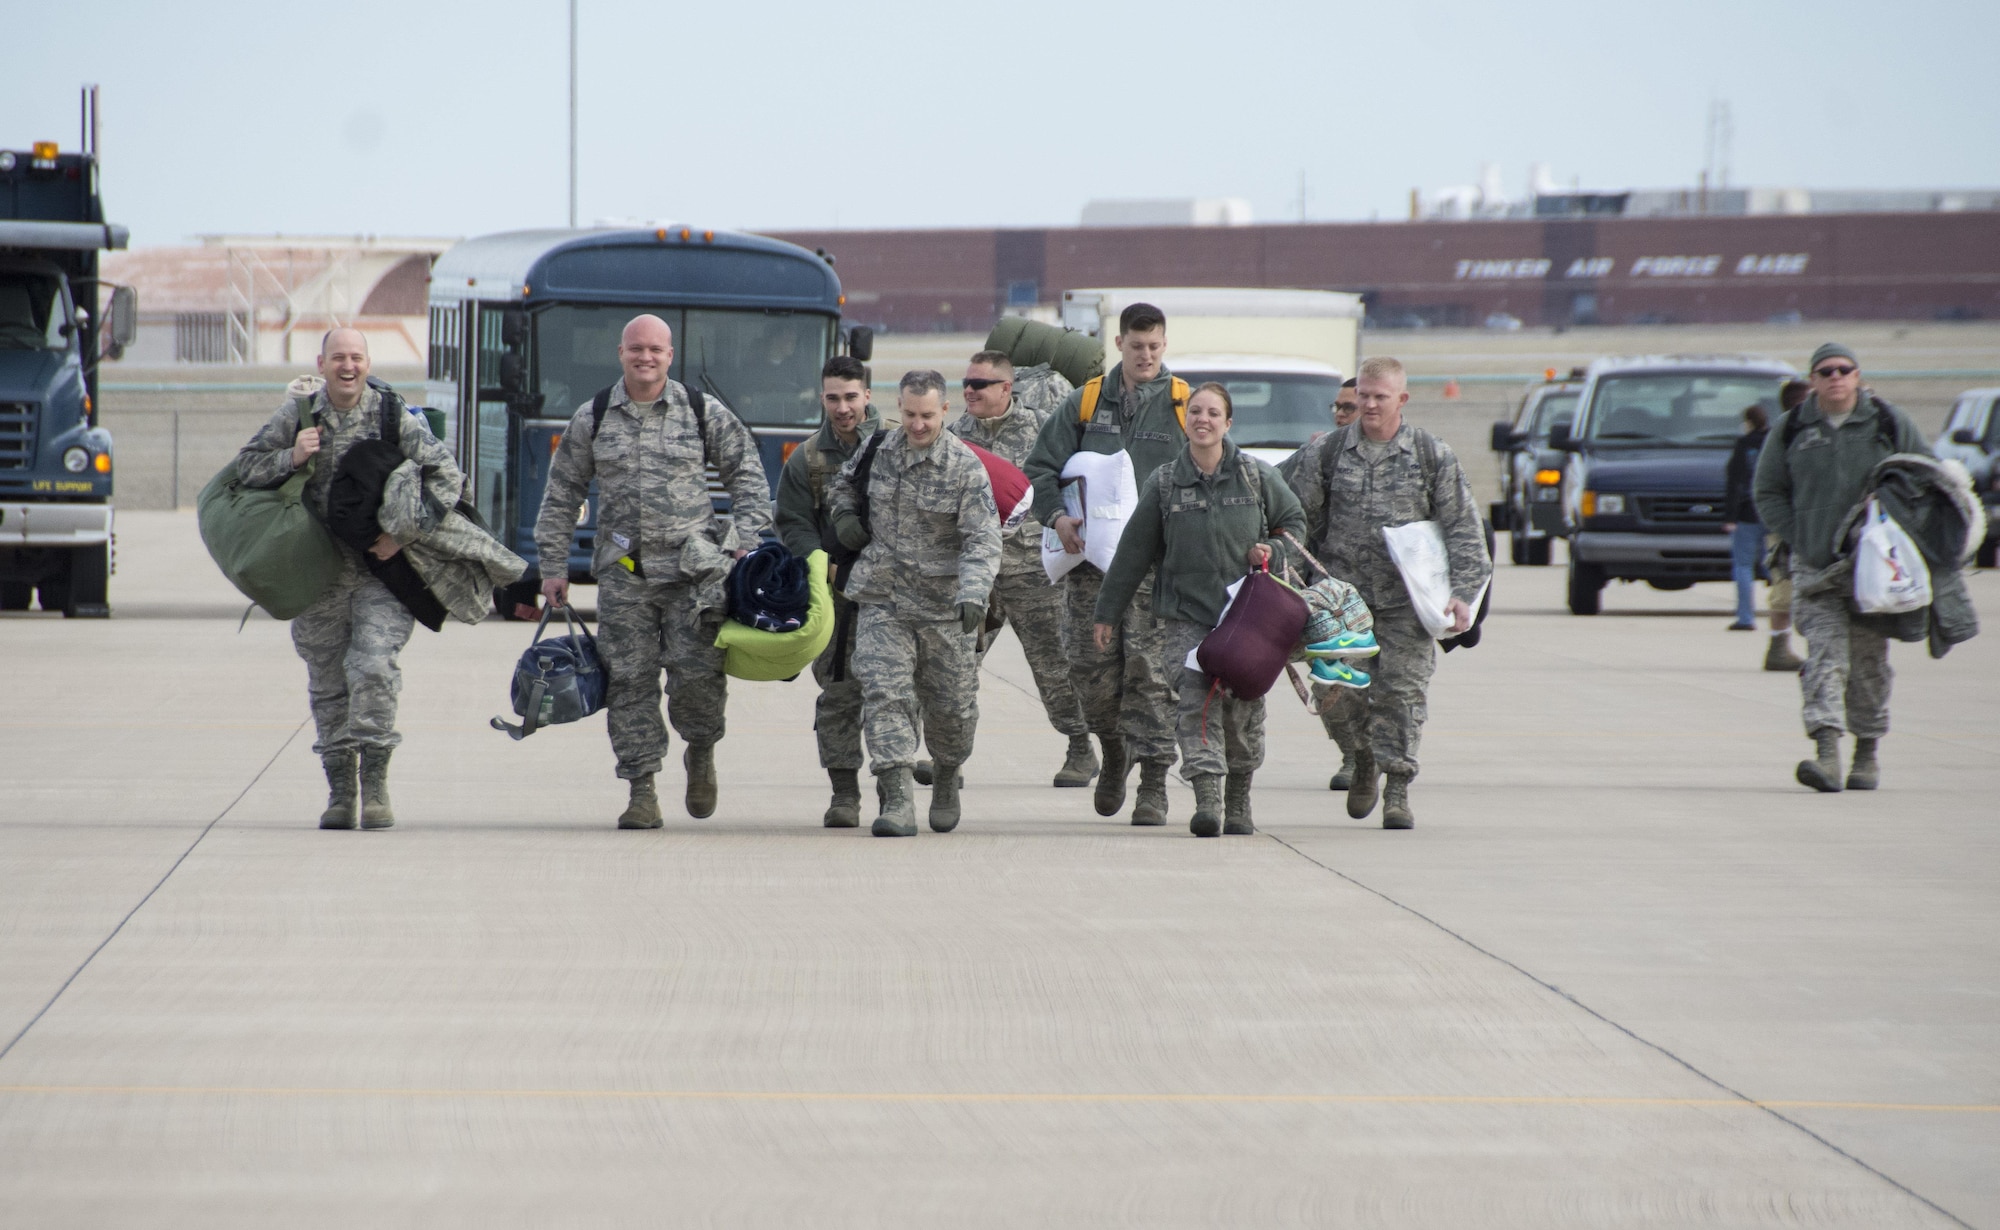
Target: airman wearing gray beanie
column 1832, row 350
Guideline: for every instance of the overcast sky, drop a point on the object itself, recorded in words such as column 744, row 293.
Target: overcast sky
column 422, row 117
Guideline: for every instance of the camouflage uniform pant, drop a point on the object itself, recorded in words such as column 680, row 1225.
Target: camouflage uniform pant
column 644, row 627
column 1388, row 716
column 919, row 682
column 1124, row 689
column 1847, row 669
column 837, row 712
column 1332, row 699
column 1218, row 733
column 1035, row 608
column 349, row 640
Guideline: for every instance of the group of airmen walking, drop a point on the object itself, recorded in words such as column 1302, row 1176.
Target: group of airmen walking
column 927, row 576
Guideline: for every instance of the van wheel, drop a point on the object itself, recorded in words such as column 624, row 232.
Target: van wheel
column 1538, row 552
column 1586, row 588
column 1985, row 556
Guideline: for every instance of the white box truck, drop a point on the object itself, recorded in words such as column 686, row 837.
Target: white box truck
column 1281, row 353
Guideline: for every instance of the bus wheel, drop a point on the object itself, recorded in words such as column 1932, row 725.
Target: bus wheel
column 16, row 595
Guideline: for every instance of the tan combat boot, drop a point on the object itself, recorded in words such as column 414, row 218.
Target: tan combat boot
column 643, row 812
column 699, row 758
column 342, row 790
column 375, row 810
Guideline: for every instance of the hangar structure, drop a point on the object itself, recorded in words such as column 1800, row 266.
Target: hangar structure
column 1557, row 271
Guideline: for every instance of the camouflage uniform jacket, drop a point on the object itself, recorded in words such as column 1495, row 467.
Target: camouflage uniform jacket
column 934, row 534
column 267, row 460
column 1011, row 436
column 460, row 563
column 1348, row 503
column 1140, row 421
column 1198, row 529
column 1040, row 388
column 804, row 523
column 652, row 488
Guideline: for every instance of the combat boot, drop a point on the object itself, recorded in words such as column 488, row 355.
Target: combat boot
column 1864, row 773
column 944, row 798
column 1345, row 776
column 899, row 812
column 1110, row 796
column 1366, row 786
column 1396, row 813
column 1822, row 772
column 1779, row 657
column 845, row 810
column 1150, row 806
column 1207, row 818
column 699, row 759
column 1080, row 766
column 375, row 810
column 643, row 812
column 1236, row 805
column 342, row 790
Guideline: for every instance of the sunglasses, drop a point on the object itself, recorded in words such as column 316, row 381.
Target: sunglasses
column 1834, row 371
column 976, row 384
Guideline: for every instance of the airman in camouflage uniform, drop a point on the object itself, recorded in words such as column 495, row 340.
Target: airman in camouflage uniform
column 661, row 558
column 1123, row 688
column 1330, row 698
column 998, row 420
column 1383, row 472
column 805, row 525
column 930, row 548
column 350, row 637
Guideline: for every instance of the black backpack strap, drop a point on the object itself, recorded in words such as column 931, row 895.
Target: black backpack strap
column 598, row 405
column 699, row 405
column 864, row 466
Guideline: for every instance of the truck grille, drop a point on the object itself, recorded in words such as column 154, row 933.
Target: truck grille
column 1692, row 510
column 18, row 420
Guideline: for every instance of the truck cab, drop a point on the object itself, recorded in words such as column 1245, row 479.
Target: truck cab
column 1529, row 510
column 1643, row 480
column 1971, row 437
column 55, row 461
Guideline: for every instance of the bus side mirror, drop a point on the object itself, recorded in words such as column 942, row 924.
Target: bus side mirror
column 124, row 319
column 513, row 376
column 514, row 329
column 861, row 342
column 1504, row 439
column 1561, row 438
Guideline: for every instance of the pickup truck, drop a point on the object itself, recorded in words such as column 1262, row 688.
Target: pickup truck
column 1642, row 482
column 1529, row 510
column 1971, row 436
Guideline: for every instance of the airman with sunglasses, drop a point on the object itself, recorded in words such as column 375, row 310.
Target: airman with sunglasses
column 1814, row 470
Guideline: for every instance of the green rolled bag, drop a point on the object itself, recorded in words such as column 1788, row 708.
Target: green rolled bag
column 1031, row 343
column 267, row 541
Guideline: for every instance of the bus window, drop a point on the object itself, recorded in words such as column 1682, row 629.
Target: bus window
column 765, row 366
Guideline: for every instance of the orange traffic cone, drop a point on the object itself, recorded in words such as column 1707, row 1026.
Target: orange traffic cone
column 1451, row 390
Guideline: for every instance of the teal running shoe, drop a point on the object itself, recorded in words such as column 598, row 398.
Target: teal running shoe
column 1346, row 645
column 1332, row 670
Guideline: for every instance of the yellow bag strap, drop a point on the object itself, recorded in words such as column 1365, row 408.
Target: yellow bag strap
column 1094, row 387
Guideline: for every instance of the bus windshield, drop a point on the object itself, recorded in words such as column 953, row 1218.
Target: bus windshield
column 1679, row 408
column 763, row 365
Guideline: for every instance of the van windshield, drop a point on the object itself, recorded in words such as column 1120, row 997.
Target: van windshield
column 32, row 312
column 1272, row 410
column 764, row 366
column 1679, row 408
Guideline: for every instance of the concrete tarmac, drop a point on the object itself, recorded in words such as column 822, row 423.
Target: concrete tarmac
column 1624, row 972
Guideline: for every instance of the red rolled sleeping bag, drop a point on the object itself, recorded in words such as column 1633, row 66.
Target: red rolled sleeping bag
column 1248, row 650
column 1012, row 492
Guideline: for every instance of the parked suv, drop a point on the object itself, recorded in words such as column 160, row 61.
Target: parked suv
column 1971, row 436
column 1530, row 508
column 1642, row 487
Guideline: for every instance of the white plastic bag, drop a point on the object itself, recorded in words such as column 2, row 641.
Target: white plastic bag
column 1418, row 550
column 1890, row 575
column 1100, row 489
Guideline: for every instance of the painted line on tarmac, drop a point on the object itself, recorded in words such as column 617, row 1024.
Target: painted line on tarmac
column 1775, row 1110
column 780, row 1095
column 158, row 884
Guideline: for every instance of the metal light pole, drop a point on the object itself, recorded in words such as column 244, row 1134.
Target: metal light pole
column 572, row 113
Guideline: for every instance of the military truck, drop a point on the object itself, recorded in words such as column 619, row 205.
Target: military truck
column 55, row 461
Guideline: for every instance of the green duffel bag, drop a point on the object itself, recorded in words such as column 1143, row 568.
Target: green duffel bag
column 1006, row 333
column 267, row 541
column 1079, row 357
column 1037, row 344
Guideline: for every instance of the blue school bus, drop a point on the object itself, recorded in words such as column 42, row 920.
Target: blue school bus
column 524, row 328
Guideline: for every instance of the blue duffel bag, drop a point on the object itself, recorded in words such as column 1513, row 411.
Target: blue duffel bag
column 558, row 680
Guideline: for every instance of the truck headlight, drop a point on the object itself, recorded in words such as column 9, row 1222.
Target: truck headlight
column 1599, row 504
column 76, row 460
